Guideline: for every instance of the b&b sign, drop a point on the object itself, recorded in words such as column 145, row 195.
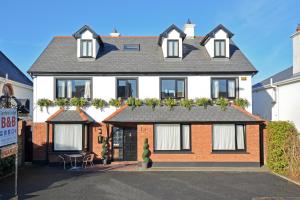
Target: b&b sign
column 8, row 126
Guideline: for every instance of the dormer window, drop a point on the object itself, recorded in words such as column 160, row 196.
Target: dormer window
column 86, row 48
column 220, row 48
column 173, row 48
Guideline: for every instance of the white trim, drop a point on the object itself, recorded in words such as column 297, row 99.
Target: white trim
column 3, row 80
column 284, row 82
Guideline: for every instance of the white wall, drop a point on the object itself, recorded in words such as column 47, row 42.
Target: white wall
column 173, row 35
column 296, row 52
column 21, row 91
column 87, row 35
column 104, row 87
column 263, row 103
column 210, row 45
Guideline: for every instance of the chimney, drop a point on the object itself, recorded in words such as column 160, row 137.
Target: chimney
column 189, row 29
column 115, row 33
column 296, row 50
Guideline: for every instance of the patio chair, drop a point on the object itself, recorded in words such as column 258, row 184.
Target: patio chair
column 62, row 160
column 88, row 159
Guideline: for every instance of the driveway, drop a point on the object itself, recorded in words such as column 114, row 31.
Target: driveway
column 54, row 183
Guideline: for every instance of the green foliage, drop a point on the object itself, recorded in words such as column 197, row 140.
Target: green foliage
column 146, row 152
column 78, row 102
column 152, row 102
column 61, row 102
column 138, row 102
column 99, row 103
column 203, row 102
column 187, row 103
column 243, row 103
column 104, row 152
column 44, row 103
column 170, row 102
column 278, row 133
column 222, row 102
column 6, row 165
column 130, row 101
column 115, row 102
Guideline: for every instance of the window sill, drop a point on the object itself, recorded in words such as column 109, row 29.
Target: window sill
column 229, row 152
column 173, row 152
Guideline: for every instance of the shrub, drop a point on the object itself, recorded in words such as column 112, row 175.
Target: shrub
column 44, row 103
column 243, row 103
column 152, row 102
column 203, row 102
column 279, row 136
column 78, row 102
column 138, row 102
column 130, row 101
column 222, row 102
column 7, row 165
column 115, row 102
column 62, row 102
column 146, row 152
column 187, row 103
column 170, row 102
column 99, row 103
column 104, row 152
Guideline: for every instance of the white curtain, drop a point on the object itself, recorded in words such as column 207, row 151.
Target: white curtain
column 87, row 89
column 176, row 53
column 185, row 136
column 217, row 50
column 69, row 89
column 67, row 137
column 231, row 88
column 170, row 49
column 215, row 88
column 89, row 48
column 84, row 48
column 223, row 137
column 240, row 137
column 222, row 50
column 61, row 89
column 167, row 136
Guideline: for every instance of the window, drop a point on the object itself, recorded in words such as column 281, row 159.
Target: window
column 68, row 88
column 220, row 48
column 172, row 137
column 86, row 48
column 172, row 88
column 173, row 48
column 68, row 137
column 228, row 137
column 126, row 88
column 131, row 47
column 224, row 87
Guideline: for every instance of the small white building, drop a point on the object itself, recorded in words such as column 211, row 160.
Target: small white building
column 278, row 97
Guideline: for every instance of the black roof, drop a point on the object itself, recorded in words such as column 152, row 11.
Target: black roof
column 13, row 72
column 213, row 32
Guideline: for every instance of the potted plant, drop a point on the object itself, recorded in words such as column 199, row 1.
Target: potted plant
column 146, row 155
column 104, row 152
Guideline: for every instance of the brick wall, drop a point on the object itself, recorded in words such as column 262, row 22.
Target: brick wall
column 201, row 137
column 39, row 138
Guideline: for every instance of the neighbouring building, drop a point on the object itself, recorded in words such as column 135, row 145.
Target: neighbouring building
column 16, row 90
column 175, row 64
column 277, row 97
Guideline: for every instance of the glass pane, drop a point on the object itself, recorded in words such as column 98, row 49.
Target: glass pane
column 168, row 89
column 90, row 49
column 78, row 88
column 222, row 88
column 84, row 48
column 167, row 137
column 185, row 137
column 180, row 89
column 170, row 48
column 231, row 88
column 217, row 48
column 222, row 48
column 127, row 88
column 60, row 88
column 215, row 89
column 175, row 50
column 223, row 137
column 67, row 137
column 118, row 143
column 240, row 137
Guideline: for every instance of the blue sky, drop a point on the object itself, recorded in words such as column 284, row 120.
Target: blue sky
column 262, row 28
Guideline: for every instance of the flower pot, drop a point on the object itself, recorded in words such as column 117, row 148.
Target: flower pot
column 144, row 165
column 104, row 161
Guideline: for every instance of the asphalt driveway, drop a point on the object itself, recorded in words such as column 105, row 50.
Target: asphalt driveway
column 54, row 183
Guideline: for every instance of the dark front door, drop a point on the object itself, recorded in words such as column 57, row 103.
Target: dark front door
column 28, row 144
column 130, row 144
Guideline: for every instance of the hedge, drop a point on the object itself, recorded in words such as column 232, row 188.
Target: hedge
column 279, row 134
column 7, row 165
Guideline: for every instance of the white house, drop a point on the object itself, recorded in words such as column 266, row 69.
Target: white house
column 278, row 97
column 176, row 64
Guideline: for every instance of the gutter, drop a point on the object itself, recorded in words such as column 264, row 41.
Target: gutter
column 280, row 83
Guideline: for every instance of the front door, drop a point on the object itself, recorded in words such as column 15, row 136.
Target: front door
column 130, row 144
column 124, row 144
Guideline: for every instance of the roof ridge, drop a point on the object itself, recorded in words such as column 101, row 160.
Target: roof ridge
column 123, row 36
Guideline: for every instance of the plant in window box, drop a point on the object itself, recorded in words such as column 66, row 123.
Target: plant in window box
column 138, row 102
column 152, row 102
column 187, row 103
column 104, row 152
column 146, row 154
column 115, row 102
column 78, row 102
column 203, row 102
column 61, row 102
column 131, row 101
column 244, row 103
column 170, row 102
column 99, row 103
column 44, row 103
column 222, row 102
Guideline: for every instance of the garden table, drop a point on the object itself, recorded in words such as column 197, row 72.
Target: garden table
column 75, row 156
